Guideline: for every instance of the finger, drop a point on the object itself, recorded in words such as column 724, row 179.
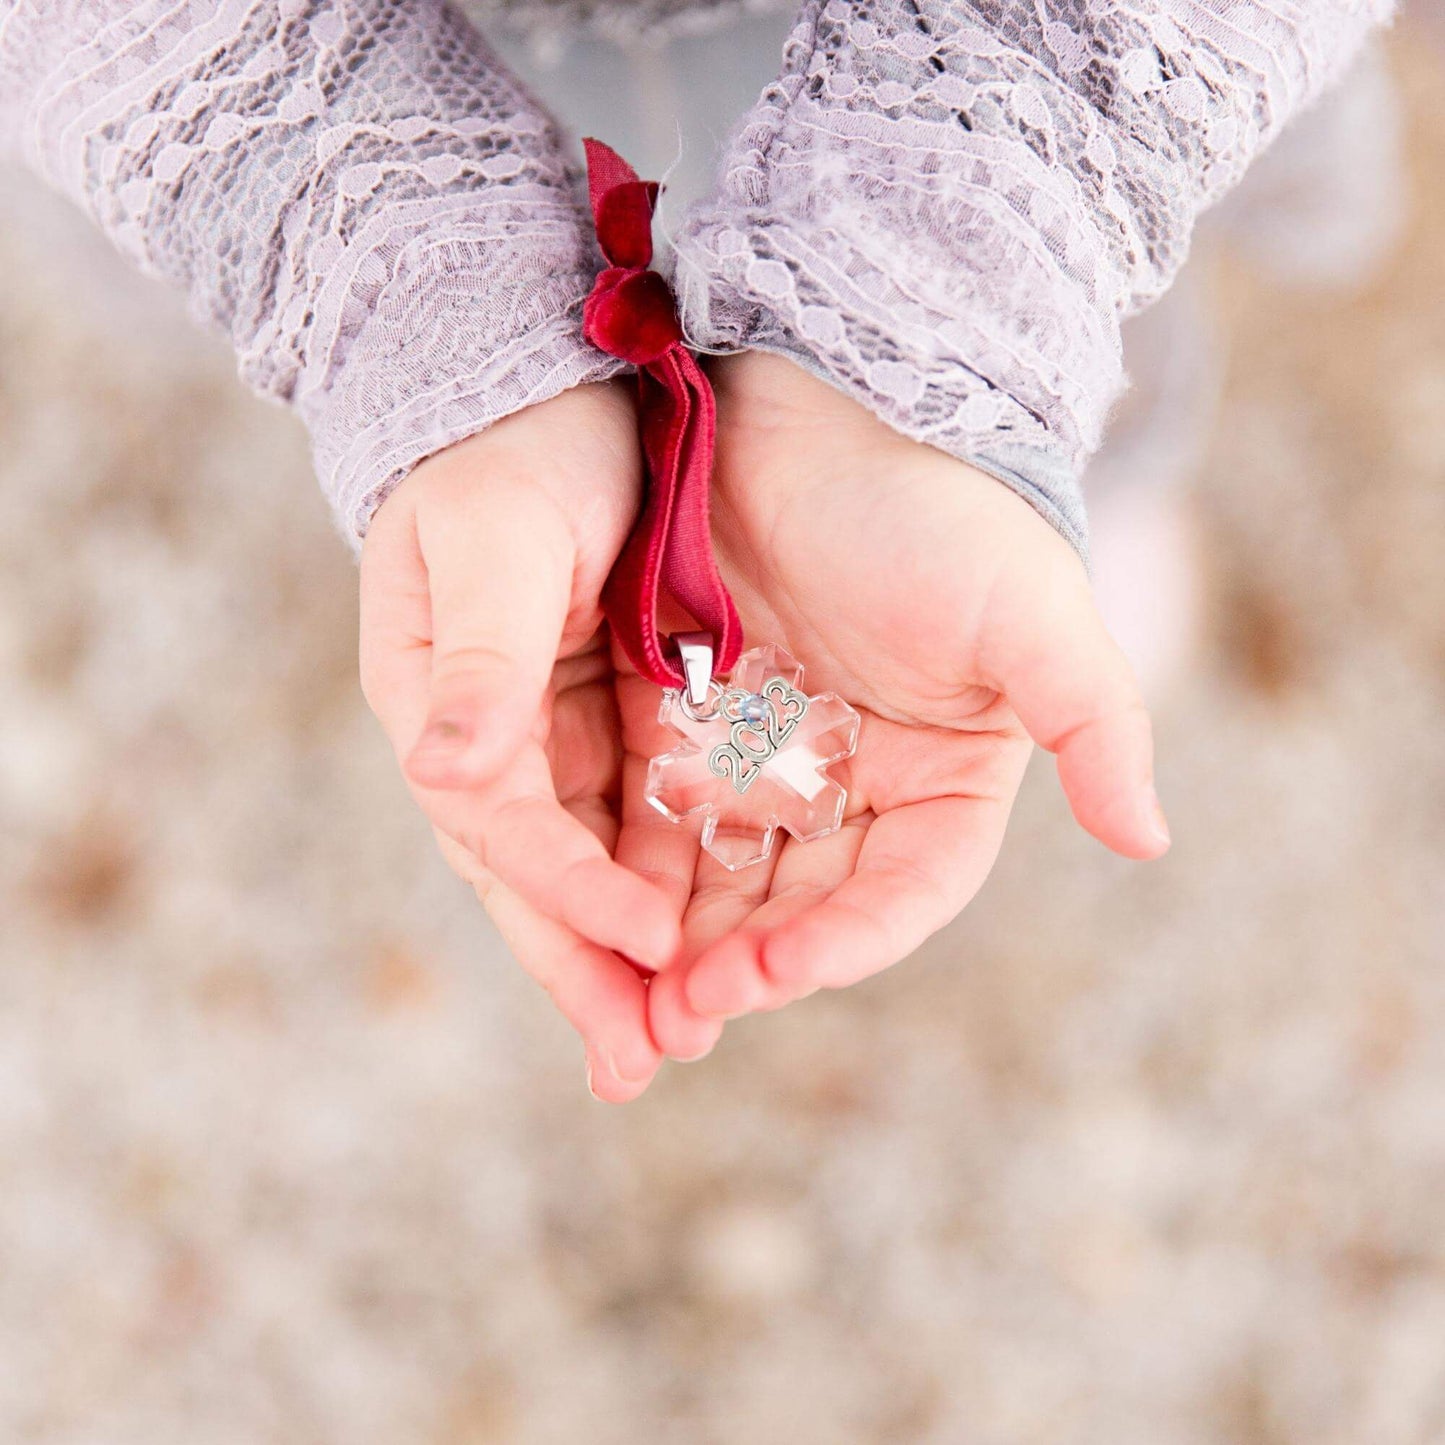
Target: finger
column 919, row 866
column 722, row 900
column 732, row 976
column 583, row 746
column 680, row 1031
column 666, row 855
column 1076, row 694
column 499, row 558
column 716, row 900
column 518, row 830
column 594, row 990
column 652, row 846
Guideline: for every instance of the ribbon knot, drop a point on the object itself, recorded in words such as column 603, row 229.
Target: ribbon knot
column 629, row 312
column 667, row 561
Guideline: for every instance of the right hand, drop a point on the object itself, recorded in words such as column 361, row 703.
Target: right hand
column 484, row 656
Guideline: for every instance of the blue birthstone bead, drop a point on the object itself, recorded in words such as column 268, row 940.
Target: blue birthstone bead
column 755, row 710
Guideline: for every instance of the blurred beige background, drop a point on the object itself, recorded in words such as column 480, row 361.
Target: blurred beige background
column 292, row 1154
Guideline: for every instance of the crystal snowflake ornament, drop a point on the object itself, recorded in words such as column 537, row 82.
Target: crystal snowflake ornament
column 754, row 757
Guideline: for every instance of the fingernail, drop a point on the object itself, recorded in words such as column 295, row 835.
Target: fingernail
column 656, row 959
column 590, row 1089
column 1158, row 820
column 611, row 1061
column 693, row 1058
column 443, row 737
column 752, row 996
column 718, row 1016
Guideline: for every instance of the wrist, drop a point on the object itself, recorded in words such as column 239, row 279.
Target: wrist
column 577, row 449
column 390, row 408
column 996, row 357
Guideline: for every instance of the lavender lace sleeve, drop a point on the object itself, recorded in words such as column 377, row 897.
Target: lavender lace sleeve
column 375, row 210
column 946, row 208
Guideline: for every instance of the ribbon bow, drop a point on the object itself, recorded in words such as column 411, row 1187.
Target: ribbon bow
column 668, row 556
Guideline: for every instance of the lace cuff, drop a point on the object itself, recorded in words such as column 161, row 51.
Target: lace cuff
column 946, row 209
column 361, row 195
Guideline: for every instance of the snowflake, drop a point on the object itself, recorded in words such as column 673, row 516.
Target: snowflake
column 754, row 757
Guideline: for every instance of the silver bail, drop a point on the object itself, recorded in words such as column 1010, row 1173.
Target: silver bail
column 695, row 650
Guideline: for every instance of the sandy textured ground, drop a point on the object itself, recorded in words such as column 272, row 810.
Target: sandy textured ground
column 291, row 1153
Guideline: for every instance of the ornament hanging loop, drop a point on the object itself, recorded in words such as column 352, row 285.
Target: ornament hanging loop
column 695, row 649
column 666, row 565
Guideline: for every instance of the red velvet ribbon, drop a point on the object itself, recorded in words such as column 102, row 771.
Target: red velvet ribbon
column 668, row 556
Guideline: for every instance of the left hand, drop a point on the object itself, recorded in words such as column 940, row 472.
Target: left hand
column 960, row 625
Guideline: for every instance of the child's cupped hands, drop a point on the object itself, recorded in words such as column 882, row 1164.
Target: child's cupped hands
column 959, row 623
column 936, row 601
column 484, row 657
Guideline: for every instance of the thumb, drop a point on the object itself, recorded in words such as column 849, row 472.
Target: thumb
column 499, row 560
column 1075, row 692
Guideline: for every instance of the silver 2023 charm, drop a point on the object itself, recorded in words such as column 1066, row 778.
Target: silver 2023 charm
column 753, row 756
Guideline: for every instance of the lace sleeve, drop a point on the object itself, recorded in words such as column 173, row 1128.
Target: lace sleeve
column 946, row 208
column 375, row 210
